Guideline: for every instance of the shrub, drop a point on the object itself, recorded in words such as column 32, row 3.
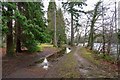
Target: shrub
column 32, row 46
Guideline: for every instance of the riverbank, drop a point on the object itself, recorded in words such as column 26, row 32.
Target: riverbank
column 106, row 64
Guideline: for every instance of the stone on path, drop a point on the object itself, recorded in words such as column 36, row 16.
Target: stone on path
column 45, row 64
column 68, row 50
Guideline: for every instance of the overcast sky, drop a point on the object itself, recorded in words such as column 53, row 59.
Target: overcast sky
column 90, row 3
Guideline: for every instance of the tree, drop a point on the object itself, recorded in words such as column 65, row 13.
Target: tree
column 96, row 15
column 33, row 26
column 52, row 21
column 70, row 7
column 118, row 56
column 29, row 28
column 18, row 29
column 60, row 24
column 10, row 44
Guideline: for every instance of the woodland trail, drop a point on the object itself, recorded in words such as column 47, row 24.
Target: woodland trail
column 69, row 65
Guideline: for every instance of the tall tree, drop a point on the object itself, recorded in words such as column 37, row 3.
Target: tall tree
column 18, row 29
column 96, row 15
column 103, row 47
column 119, row 44
column 29, row 23
column 70, row 7
column 10, row 44
column 60, row 24
column 52, row 21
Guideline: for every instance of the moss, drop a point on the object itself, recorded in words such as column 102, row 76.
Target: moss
column 46, row 45
column 67, row 69
column 95, row 58
column 89, row 55
column 39, row 48
column 106, row 57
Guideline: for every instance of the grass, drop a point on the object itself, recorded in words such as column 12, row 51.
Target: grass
column 94, row 57
column 67, row 68
column 88, row 55
column 40, row 47
column 46, row 45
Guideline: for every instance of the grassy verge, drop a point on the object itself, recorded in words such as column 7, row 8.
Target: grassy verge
column 88, row 55
column 68, row 67
column 93, row 56
column 105, row 63
column 46, row 45
column 40, row 47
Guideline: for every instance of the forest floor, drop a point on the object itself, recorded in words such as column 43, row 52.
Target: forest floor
column 71, row 65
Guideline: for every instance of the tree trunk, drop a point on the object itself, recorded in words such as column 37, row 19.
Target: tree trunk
column 103, row 47
column 18, row 42
column 72, row 30
column 55, row 38
column 91, row 39
column 85, row 34
column 10, row 44
column 18, row 31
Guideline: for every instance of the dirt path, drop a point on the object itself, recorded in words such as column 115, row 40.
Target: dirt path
column 21, row 62
column 89, row 70
column 67, row 66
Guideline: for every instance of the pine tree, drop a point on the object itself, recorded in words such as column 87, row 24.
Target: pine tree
column 51, row 21
column 29, row 28
column 60, row 28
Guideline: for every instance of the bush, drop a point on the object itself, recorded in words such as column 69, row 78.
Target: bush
column 32, row 46
column 39, row 48
column 106, row 57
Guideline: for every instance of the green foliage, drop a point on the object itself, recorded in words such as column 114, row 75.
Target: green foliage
column 51, row 14
column 33, row 46
column 29, row 16
column 60, row 28
column 106, row 57
column 34, row 30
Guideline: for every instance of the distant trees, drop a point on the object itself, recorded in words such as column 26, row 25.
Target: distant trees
column 60, row 25
column 99, row 26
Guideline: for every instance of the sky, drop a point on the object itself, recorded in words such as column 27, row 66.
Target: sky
column 90, row 3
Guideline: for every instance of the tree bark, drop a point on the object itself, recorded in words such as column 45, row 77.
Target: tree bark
column 91, row 38
column 72, row 30
column 10, row 44
column 55, row 38
column 18, row 31
column 103, row 47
